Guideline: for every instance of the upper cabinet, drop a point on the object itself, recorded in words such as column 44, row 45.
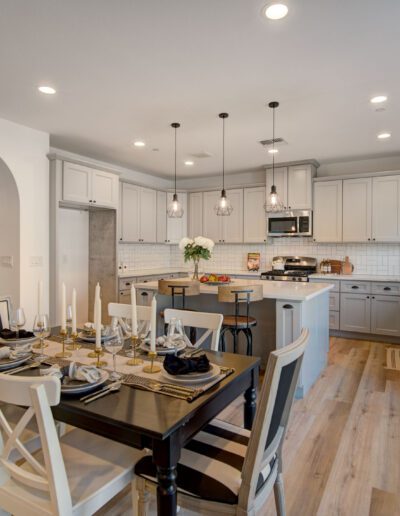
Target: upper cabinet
column 254, row 219
column 177, row 228
column 386, row 209
column 138, row 214
column 357, row 204
column 162, row 217
column 86, row 185
column 195, row 214
column 223, row 229
column 328, row 211
column 212, row 223
column 294, row 185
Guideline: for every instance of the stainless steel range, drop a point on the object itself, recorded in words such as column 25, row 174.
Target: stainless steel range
column 290, row 268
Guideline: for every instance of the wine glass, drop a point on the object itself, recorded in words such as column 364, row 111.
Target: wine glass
column 41, row 329
column 18, row 320
column 113, row 346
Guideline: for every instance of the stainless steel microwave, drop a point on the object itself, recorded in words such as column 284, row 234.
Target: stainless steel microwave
column 289, row 223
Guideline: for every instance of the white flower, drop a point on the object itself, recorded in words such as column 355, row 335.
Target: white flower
column 184, row 242
column 206, row 243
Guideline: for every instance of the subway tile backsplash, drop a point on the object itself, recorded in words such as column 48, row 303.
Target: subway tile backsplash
column 367, row 258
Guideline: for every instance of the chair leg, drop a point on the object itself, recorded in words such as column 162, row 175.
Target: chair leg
column 249, row 337
column 192, row 334
column 142, row 497
column 222, row 340
column 235, row 340
column 279, row 496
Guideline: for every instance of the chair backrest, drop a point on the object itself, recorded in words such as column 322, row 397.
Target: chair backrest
column 119, row 312
column 5, row 312
column 38, row 395
column 240, row 293
column 273, row 410
column 178, row 287
column 211, row 322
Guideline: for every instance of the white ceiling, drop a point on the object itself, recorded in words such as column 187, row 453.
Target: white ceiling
column 126, row 69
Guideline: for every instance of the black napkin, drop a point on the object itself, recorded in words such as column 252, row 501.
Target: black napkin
column 176, row 365
column 7, row 334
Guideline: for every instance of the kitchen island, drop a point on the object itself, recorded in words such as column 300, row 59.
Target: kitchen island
column 286, row 308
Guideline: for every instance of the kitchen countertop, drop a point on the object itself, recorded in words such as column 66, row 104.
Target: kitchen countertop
column 282, row 290
column 356, row 277
column 173, row 270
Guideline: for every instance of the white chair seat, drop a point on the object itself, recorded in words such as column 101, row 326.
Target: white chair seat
column 92, row 464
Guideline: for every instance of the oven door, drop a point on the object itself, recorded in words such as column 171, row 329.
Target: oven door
column 282, row 226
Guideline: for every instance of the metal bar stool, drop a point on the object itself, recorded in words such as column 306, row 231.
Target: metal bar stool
column 179, row 288
column 234, row 324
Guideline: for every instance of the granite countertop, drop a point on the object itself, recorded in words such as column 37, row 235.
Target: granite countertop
column 282, row 290
column 356, row 277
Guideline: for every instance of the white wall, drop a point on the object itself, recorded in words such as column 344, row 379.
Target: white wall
column 24, row 151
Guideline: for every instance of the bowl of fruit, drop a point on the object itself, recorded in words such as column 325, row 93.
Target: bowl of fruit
column 215, row 279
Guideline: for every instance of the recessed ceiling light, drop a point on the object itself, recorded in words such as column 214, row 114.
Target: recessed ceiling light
column 273, row 151
column 383, row 136
column 189, row 163
column 47, row 90
column 139, row 143
column 276, row 11
column 378, row 99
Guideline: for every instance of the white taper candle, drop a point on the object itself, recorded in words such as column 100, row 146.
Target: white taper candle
column 63, row 307
column 153, row 324
column 98, row 322
column 73, row 310
column 134, row 312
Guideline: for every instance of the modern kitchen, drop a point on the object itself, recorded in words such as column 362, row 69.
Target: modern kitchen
column 204, row 209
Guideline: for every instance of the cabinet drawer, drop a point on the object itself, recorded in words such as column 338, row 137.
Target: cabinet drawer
column 387, row 289
column 355, row 287
column 334, row 301
column 126, row 283
column 124, row 297
column 333, row 320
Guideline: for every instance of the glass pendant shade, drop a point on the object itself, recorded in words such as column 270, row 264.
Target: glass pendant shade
column 175, row 209
column 274, row 202
column 223, row 206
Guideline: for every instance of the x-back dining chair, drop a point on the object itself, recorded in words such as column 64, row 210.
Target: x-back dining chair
column 119, row 312
column 74, row 475
column 226, row 469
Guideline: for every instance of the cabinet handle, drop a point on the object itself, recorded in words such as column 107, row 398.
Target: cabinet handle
column 373, row 239
column 367, row 297
column 354, row 287
column 373, row 297
column 90, row 200
column 127, row 284
column 94, row 201
column 120, row 238
column 288, row 307
column 387, row 288
column 369, row 239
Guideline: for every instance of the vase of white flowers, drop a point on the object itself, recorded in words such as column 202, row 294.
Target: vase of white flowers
column 195, row 250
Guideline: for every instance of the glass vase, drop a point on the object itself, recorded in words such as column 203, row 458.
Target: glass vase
column 196, row 268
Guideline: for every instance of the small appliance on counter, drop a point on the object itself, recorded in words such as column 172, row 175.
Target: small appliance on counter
column 290, row 268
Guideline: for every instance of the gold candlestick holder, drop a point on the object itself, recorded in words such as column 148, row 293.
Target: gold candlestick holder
column 74, row 346
column 99, row 353
column 93, row 354
column 152, row 368
column 63, row 353
column 134, row 344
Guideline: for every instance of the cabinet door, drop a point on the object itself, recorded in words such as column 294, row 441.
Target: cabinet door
column 355, row 313
column 148, row 215
column 385, row 318
column 77, row 183
column 105, row 189
column 130, row 217
column 212, row 223
column 386, row 209
column 177, row 228
column 254, row 219
column 195, row 214
column 299, row 187
column 280, row 183
column 357, row 203
column 328, row 211
column 233, row 223
column 161, row 217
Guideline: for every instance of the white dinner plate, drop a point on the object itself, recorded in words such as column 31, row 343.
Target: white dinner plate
column 192, row 380
column 85, row 337
column 77, row 387
column 145, row 346
column 10, row 363
column 14, row 342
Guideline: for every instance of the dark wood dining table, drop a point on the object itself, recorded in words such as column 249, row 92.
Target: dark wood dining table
column 143, row 419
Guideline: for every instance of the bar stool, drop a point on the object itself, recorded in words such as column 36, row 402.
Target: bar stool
column 234, row 324
column 179, row 289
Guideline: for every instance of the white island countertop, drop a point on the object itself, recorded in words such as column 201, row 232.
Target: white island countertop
column 282, row 290
column 356, row 277
column 132, row 273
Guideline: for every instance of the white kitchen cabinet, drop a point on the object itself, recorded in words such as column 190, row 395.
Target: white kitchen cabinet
column 195, row 214
column 299, row 187
column 177, row 228
column 254, row 219
column 138, row 214
column 355, row 313
column 385, row 311
column 148, row 215
column 223, row 229
column 386, row 209
column 328, row 211
column 212, row 223
column 162, row 217
column 357, row 209
column 86, row 185
column 281, row 175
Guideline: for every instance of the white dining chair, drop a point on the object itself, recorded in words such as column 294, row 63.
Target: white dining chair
column 5, row 312
column 210, row 322
column 75, row 475
column 119, row 312
column 226, row 469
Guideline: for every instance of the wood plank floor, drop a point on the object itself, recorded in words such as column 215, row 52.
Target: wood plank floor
column 342, row 449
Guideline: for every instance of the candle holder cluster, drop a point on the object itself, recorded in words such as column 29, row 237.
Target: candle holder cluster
column 152, row 368
column 134, row 361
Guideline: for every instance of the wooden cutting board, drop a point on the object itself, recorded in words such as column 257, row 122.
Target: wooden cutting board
column 336, row 266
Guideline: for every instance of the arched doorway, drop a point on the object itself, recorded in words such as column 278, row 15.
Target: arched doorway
column 9, row 235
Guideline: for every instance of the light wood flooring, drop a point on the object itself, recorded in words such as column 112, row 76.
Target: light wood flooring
column 342, row 449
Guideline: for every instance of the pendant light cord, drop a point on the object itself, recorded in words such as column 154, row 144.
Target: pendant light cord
column 273, row 145
column 175, row 158
column 223, row 154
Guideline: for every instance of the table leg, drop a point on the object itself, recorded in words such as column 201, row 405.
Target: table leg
column 166, row 456
column 250, row 403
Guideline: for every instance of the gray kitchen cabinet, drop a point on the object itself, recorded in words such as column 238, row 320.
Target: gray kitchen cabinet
column 195, row 214
column 161, row 217
column 355, row 313
column 385, row 315
column 138, row 214
column 357, row 209
column 328, row 211
column 254, row 220
column 294, row 185
column 386, row 209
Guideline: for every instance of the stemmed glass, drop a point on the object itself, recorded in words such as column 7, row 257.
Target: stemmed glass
column 113, row 346
column 18, row 320
column 41, row 329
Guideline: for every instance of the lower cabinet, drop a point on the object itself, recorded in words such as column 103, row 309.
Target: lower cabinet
column 355, row 313
column 385, row 315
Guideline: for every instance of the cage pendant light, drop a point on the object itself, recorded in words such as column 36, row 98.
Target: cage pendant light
column 175, row 209
column 223, row 206
column 274, row 202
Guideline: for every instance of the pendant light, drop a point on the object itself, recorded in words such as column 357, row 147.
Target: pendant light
column 223, row 206
column 175, row 209
column 273, row 201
